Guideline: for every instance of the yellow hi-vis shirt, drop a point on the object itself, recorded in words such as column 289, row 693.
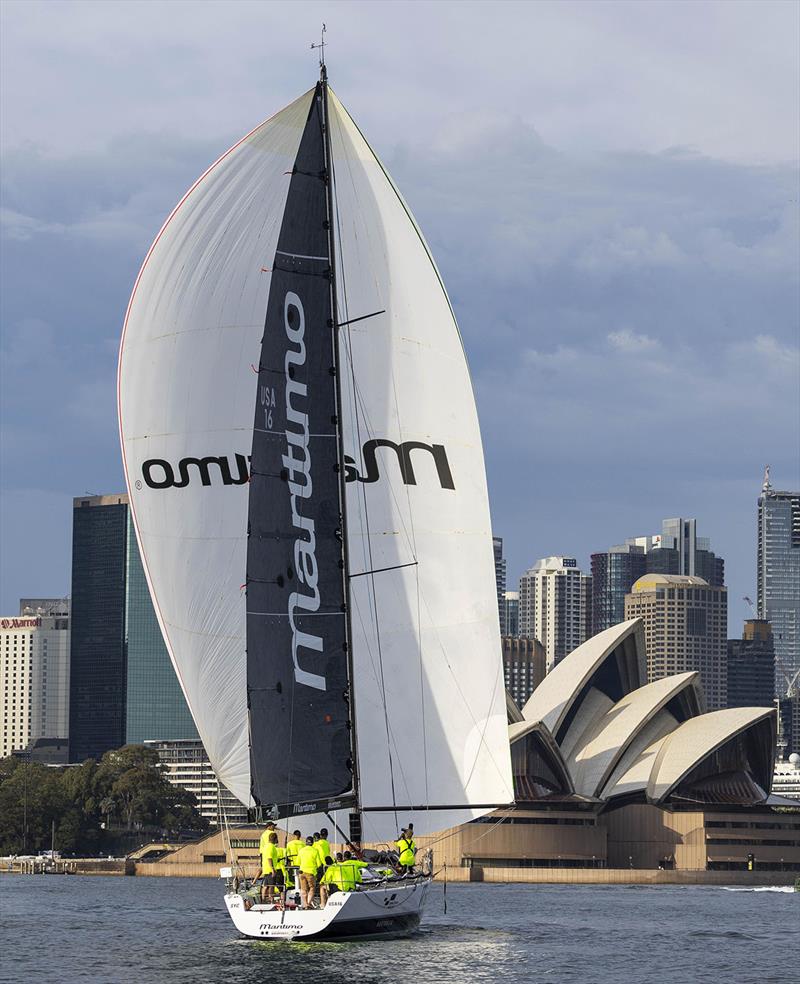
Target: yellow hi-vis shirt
column 269, row 859
column 352, row 873
column 324, row 849
column 406, row 848
column 308, row 859
column 281, row 862
column 262, row 844
column 292, row 849
column 334, row 875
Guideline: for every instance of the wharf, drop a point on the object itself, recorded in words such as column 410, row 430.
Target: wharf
column 67, row 866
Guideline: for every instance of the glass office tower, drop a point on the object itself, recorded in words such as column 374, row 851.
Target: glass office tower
column 778, row 577
column 123, row 688
column 155, row 708
column 751, row 666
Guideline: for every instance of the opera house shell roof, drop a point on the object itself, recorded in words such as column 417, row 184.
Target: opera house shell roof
column 595, row 731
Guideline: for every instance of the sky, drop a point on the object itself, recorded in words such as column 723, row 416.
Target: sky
column 610, row 190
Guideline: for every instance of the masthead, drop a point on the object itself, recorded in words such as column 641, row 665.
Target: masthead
column 323, row 75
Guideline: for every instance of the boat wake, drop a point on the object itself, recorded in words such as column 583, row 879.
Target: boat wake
column 758, row 888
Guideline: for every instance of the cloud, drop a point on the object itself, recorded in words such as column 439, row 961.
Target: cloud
column 629, row 341
column 619, row 245
column 718, row 77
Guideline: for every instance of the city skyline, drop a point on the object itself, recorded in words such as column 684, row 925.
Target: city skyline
column 576, row 269
column 738, row 609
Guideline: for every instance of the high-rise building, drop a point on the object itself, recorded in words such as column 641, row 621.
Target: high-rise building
column 500, row 578
column 34, row 677
column 524, row 667
column 685, row 625
column 185, row 764
column 123, row 688
column 751, row 666
column 676, row 550
column 789, row 723
column 613, row 574
column 512, row 613
column 555, row 606
column 778, row 576
column 154, row 703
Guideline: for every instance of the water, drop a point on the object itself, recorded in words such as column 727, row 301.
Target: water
column 176, row 931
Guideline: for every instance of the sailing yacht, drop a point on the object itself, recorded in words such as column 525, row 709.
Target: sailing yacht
column 306, row 478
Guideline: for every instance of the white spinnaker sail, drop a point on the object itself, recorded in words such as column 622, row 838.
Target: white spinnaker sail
column 186, row 390
column 429, row 688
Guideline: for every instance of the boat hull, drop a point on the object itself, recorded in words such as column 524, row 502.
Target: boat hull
column 369, row 913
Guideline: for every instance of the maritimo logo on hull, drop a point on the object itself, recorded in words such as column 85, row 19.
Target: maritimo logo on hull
column 160, row 474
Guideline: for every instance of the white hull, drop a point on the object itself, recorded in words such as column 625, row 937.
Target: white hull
column 389, row 910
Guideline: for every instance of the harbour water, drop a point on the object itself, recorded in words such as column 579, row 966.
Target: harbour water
column 175, row 931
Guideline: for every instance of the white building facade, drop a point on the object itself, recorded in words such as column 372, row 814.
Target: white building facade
column 34, row 678
column 555, row 606
column 184, row 763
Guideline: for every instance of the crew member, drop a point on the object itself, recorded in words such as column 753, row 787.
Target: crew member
column 352, row 871
column 321, row 855
column 262, row 844
column 283, row 874
column 308, row 862
column 330, row 880
column 292, row 848
column 406, row 848
column 323, row 846
column 269, row 867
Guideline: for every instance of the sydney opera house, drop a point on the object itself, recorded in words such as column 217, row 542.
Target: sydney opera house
column 612, row 771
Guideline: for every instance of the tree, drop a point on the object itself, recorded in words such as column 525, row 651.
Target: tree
column 132, row 778
column 31, row 799
column 127, row 782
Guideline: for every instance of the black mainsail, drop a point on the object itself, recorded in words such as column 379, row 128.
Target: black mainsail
column 297, row 660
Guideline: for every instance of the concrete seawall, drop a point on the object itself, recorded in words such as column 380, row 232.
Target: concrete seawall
column 533, row 876
column 526, row 876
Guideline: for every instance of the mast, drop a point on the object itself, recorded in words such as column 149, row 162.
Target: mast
column 355, row 816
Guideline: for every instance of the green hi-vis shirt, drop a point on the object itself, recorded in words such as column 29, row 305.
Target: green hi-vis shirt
column 269, row 859
column 352, row 873
column 292, row 849
column 335, row 875
column 324, row 849
column 308, row 859
column 406, row 848
column 281, row 859
column 262, row 844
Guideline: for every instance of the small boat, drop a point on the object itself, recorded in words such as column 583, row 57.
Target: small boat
column 307, row 484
